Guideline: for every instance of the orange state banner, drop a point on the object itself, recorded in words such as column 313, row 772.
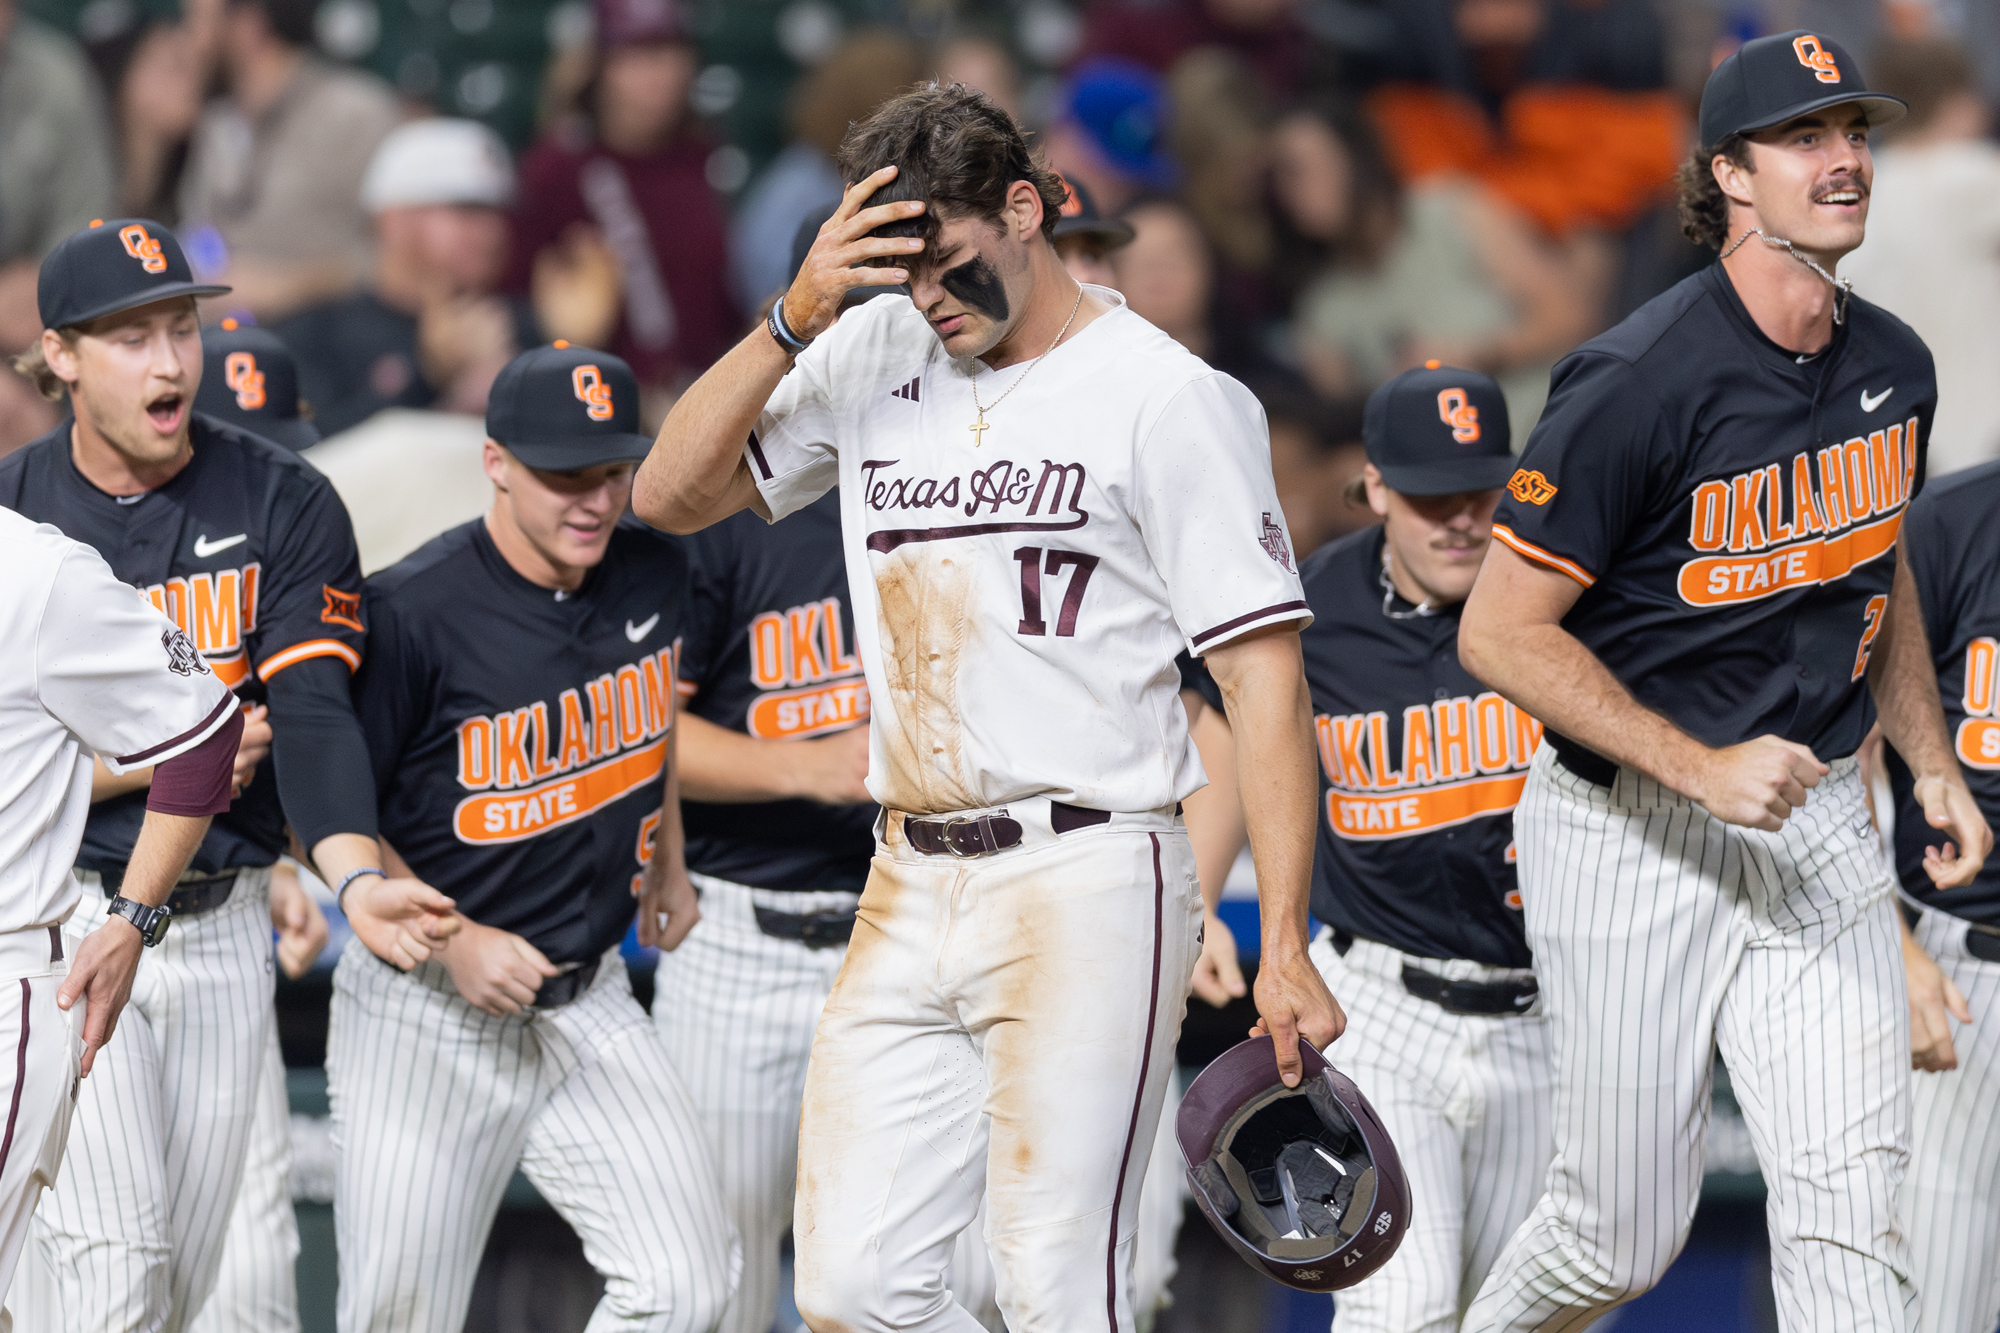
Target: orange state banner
column 528, row 812
column 790, row 714
column 1979, row 742
column 1719, row 580
column 1368, row 817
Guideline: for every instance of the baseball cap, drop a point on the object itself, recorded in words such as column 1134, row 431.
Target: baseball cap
column 638, row 23
column 1122, row 106
column 111, row 266
column 249, row 379
column 1438, row 431
column 441, row 160
column 1770, row 80
column 562, row 407
column 1079, row 217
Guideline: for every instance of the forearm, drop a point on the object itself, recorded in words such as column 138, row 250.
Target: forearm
column 671, row 841
column 729, row 768
column 1270, row 716
column 164, row 846
column 695, row 474
column 1215, row 813
column 1903, row 679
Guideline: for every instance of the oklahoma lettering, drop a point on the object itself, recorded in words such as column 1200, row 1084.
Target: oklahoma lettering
column 217, row 610
column 1462, row 758
column 547, row 765
column 801, row 647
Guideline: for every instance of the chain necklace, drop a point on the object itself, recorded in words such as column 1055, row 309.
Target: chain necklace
column 1843, row 287
column 1420, row 610
column 979, row 427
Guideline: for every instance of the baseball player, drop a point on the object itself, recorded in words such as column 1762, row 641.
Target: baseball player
column 250, row 554
column 1696, row 585
column 90, row 667
column 519, row 703
column 1028, row 545
column 1951, row 1201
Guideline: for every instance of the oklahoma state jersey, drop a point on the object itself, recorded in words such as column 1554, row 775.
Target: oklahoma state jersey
column 773, row 656
column 1420, row 769
column 250, row 552
column 1730, row 508
column 1953, row 533
column 519, row 735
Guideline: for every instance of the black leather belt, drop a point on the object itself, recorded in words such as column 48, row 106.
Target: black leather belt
column 564, row 987
column 991, row 833
column 1586, row 763
column 815, row 930
column 1982, row 942
column 1483, row 998
column 192, row 895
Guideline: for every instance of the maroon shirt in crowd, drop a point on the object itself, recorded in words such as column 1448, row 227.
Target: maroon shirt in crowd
column 662, row 221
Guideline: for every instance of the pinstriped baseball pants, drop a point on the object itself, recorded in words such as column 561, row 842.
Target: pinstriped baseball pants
column 129, row 1239
column 1952, row 1198
column 434, row 1103
column 257, row 1282
column 1662, row 935
column 1466, row 1099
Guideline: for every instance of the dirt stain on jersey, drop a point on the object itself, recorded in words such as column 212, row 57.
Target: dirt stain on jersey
column 924, row 602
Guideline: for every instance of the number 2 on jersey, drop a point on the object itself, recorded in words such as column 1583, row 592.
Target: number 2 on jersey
column 1030, row 559
column 1873, row 613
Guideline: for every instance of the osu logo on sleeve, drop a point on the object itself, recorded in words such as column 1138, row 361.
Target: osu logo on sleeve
column 1817, row 59
column 1531, row 487
column 143, row 246
column 239, row 372
column 592, row 392
column 1461, row 416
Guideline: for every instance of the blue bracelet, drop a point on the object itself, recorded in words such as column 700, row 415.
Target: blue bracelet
column 349, row 878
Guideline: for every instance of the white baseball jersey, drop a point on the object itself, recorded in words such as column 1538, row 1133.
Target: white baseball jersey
column 1020, row 592
column 89, row 666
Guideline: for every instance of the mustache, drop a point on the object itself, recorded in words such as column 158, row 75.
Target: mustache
column 1854, row 183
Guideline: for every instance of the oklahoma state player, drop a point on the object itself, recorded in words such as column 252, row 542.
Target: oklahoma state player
column 249, row 552
column 519, row 703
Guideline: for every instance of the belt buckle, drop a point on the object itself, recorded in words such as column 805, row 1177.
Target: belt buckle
column 948, row 831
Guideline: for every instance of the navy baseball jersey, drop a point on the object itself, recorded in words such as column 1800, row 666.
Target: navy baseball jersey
column 519, row 735
column 1953, row 536
column 1731, row 510
column 1420, row 769
column 772, row 655
column 250, row 552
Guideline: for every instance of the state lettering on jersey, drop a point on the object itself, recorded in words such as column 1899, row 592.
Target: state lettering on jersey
column 1462, row 758
column 1831, row 511
column 215, row 610
column 809, row 683
column 1978, row 741
column 1013, row 497
column 546, row 765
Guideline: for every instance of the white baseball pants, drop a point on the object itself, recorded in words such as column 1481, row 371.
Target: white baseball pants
column 1662, row 935
column 1951, row 1200
column 435, row 1103
column 1005, row 1027
column 40, row 1059
column 130, row 1237
column 1466, row 1098
column 257, row 1283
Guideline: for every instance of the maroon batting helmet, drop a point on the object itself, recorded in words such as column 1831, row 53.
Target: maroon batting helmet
column 1302, row 1182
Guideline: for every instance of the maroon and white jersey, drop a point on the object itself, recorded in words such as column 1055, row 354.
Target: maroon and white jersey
column 90, row 668
column 1021, row 592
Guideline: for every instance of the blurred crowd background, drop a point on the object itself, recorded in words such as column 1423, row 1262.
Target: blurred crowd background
column 1324, row 192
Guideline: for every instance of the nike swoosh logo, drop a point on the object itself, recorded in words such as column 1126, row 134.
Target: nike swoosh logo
column 1869, row 402
column 204, row 548
column 642, row 629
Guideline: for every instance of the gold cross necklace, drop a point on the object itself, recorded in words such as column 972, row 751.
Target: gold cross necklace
column 979, row 427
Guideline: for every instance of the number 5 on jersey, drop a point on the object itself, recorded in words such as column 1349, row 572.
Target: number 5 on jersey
column 1030, row 559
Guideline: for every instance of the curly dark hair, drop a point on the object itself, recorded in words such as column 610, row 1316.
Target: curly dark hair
column 955, row 149
column 1704, row 208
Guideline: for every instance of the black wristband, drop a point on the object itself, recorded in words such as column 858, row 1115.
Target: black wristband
column 791, row 342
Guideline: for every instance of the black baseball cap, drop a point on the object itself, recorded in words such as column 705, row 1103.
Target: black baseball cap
column 112, row 266
column 1770, row 80
column 1438, row 431
column 248, row 378
column 1079, row 217
column 561, row 407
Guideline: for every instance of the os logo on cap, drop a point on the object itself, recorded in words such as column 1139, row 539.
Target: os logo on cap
column 240, row 373
column 1460, row 415
column 1817, row 59
column 592, row 391
column 143, row 246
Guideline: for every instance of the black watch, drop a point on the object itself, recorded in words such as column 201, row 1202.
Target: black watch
column 151, row 921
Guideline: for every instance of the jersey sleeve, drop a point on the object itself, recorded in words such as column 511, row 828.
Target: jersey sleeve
column 120, row 675
column 705, row 628
column 309, row 597
column 1208, row 511
column 1585, row 477
column 791, row 453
